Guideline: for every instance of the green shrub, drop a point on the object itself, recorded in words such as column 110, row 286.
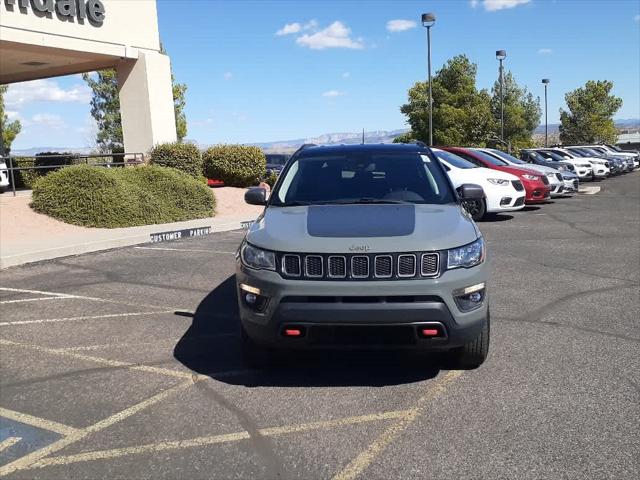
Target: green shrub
column 235, row 165
column 24, row 178
column 185, row 157
column 121, row 197
column 271, row 178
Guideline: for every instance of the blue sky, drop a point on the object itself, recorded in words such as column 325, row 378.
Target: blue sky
column 276, row 70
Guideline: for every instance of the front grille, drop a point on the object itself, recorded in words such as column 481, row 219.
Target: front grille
column 406, row 266
column 313, row 266
column 429, row 264
column 383, row 266
column 559, row 176
column 291, row 265
column 387, row 266
column 545, row 180
column 337, row 267
column 360, row 266
column 576, row 184
column 517, row 184
column 519, row 201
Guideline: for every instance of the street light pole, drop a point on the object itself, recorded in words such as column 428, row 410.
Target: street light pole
column 546, row 122
column 501, row 55
column 428, row 19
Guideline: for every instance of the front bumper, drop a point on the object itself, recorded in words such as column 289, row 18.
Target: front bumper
column 325, row 310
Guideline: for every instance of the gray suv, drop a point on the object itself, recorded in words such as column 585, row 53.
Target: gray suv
column 364, row 246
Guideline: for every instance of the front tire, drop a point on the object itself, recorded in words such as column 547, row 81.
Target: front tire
column 474, row 353
column 476, row 208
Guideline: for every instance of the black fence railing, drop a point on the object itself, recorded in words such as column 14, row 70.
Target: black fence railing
column 15, row 166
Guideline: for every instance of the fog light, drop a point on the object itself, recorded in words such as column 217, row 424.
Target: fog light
column 505, row 201
column 469, row 298
column 250, row 298
column 253, row 298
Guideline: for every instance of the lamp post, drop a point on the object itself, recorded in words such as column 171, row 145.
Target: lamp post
column 501, row 55
column 546, row 82
column 428, row 19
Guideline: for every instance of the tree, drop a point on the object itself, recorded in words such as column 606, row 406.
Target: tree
column 105, row 109
column 8, row 130
column 590, row 116
column 522, row 112
column 461, row 113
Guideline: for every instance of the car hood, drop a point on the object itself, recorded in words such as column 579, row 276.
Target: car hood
column 518, row 171
column 362, row 228
column 541, row 168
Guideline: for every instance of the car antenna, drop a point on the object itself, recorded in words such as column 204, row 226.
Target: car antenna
column 363, row 136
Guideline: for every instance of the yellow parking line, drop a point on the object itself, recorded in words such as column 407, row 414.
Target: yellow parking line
column 9, row 442
column 215, row 439
column 103, row 361
column 37, row 422
column 362, row 461
column 33, row 457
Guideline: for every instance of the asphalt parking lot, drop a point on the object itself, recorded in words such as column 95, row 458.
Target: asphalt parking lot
column 126, row 364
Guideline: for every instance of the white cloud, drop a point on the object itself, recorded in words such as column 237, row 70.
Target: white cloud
column 637, row 18
column 493, row 5
column 297, row 27
column 11, row 115
column 20, row 94
column 332, row 94
column 289, row 28
column 400, row 25
column 545, row 51
column 346, row 75
column 227, row 75
column 48, row 120
column 336, row 35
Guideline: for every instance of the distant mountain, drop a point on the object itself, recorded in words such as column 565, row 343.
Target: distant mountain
column 621, row 124
column 377, row 136
column 28, row 152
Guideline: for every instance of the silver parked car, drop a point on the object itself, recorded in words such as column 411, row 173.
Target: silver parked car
column 364, row 246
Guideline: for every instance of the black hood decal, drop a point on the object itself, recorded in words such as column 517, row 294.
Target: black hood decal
column 341, row 221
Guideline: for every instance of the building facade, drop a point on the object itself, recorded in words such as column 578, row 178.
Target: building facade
column 49, row 38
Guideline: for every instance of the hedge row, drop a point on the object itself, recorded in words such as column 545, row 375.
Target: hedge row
column 121, row 197
column 26, row 178
column 235, row 165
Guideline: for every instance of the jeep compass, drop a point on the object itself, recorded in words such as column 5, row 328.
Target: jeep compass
column 364, row 246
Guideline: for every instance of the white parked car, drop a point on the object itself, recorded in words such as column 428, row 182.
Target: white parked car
column 503, row 192
column 4, row 177
column 612, row 150
column 582, row 168
column 556, row 182
column 599, row 165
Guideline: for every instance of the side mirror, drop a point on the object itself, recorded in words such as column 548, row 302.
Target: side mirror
column 256, row 196
column 470, row 191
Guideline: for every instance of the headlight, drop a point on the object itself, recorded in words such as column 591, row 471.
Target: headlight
column 562, row 168
column 498, row 181
column 254, row 257
column 468, row 256
column 531, row 177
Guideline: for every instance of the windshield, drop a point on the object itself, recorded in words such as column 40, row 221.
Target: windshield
column 615, row 148
column 453, row 159
column 580, row 152
column 490, row 158
column 552, row 155
column 537, row 156
column 507, row 157
column 363, row 177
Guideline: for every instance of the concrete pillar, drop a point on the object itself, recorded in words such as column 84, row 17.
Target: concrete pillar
column 146, row 102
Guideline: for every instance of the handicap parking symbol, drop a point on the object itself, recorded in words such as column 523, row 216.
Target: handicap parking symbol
column 19, row 439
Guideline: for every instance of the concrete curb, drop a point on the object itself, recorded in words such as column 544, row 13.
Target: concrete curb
column 121, row 237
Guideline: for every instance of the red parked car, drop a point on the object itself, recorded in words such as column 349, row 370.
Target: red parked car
column 536, row 186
